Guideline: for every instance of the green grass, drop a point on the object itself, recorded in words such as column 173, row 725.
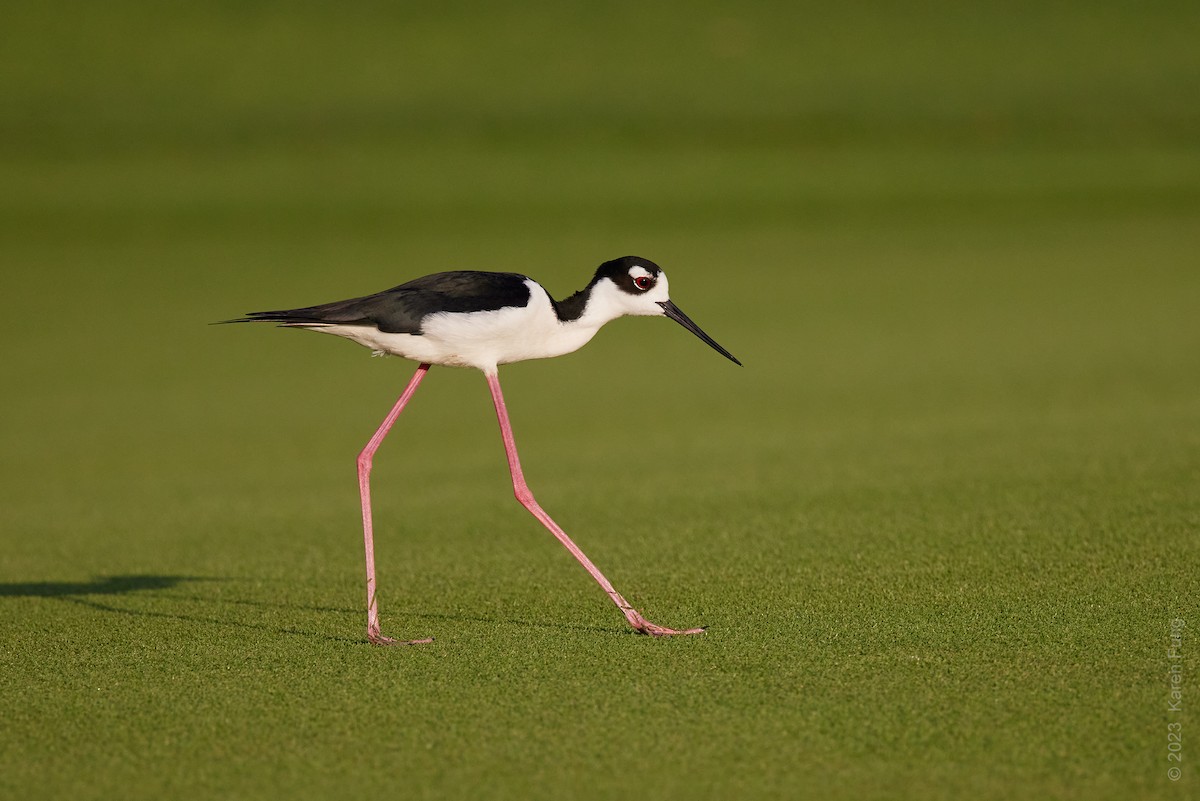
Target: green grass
column 939, row 525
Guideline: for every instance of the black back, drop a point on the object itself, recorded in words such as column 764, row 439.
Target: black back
column 401, row 309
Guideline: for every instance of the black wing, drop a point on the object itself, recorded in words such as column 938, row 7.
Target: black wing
column 401, row 309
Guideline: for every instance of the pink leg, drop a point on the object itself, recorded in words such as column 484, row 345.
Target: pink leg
column 364, row 491
column 525, row 496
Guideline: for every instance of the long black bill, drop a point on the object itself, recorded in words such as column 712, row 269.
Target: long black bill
column 672, row 311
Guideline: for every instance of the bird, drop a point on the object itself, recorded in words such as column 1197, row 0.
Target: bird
column 482, row 320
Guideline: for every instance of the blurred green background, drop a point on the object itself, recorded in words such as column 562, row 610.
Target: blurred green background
column 939, row 523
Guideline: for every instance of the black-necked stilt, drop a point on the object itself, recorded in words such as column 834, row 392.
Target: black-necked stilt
column 484, row 320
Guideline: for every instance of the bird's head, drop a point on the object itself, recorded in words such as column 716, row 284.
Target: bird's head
column 636, row 286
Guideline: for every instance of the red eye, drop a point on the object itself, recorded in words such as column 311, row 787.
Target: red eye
column 643, row 282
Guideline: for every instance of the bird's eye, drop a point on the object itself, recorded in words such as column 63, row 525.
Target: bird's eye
column 643, row 282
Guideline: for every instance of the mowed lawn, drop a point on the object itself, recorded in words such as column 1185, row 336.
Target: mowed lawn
column 940, row 525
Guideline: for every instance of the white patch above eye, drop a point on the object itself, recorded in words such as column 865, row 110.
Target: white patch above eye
column 637, row 271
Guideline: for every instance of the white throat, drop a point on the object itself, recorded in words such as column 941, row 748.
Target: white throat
column 607, row 302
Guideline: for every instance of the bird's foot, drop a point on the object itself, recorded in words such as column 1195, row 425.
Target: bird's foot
column 644, row 626
column 376, row 638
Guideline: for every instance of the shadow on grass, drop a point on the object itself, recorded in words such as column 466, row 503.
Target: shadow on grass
column 405, row 614
column 415, row 613
column 76, row 592
column 212, row 621
column 510, row 621
column 106, row 585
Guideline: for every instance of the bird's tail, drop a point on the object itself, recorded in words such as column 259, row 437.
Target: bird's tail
column 288, row 318
column 341, row 312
